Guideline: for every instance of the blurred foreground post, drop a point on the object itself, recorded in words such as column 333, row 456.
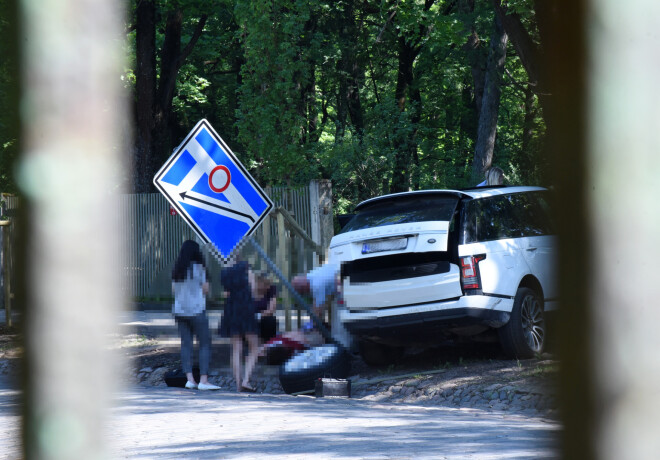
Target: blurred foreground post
column 604, row 58
column 69, row 173
column 623, row 147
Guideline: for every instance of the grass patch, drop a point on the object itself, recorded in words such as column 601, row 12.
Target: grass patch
column 542, row 370
column 137, row 341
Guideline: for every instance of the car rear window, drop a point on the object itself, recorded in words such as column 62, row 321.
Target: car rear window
column 403, row 210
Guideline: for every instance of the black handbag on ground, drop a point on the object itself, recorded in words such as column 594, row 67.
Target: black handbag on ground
column 177, row 378
column 267, row 328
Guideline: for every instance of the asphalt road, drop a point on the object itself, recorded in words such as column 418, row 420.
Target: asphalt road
column 168, row 423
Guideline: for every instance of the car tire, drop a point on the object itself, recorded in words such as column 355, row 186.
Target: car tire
column 378, row 354
column 524, row 335
column 300, row 373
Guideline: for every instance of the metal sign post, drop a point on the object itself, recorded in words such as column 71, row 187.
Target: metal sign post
column 276, row 271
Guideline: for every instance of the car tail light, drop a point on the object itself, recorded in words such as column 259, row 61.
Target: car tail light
column 470, row 271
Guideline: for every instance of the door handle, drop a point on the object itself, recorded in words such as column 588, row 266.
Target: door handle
column 532, row 249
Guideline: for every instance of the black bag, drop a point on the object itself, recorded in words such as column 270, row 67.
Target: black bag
column 333, row 387
column 267, row 327
column 177, row 378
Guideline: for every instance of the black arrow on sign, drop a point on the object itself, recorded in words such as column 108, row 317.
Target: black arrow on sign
column 184, row 196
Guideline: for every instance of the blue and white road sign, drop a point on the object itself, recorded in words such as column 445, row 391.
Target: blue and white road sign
column 207, row 185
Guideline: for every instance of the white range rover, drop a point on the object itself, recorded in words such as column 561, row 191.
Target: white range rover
column 421, row 267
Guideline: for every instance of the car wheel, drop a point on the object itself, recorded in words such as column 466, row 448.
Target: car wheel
column 524, row 335
column 378, row 354
column 301, row 372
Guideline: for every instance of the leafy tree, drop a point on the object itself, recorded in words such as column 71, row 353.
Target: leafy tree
column 9, row 116
column 379, row 96
column 490, row 102
column 277, row 105
column 156, row 72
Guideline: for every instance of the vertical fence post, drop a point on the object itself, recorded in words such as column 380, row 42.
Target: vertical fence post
column 325, row 214
column 314, row 214
column 301, row 268
column 281, row 262
column 266, row 232
column 5, row 258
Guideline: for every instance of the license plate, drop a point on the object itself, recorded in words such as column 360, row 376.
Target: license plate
column 384, row 245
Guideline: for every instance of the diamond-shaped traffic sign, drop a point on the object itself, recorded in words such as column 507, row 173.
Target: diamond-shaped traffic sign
column 207, row 185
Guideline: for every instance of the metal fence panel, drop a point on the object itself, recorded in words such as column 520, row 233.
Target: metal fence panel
column 153, row 237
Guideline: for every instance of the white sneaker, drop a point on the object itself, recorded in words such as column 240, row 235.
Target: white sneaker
column 190, row 385
column 208, row 386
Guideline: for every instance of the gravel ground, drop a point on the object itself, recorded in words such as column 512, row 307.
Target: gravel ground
column 451, row 376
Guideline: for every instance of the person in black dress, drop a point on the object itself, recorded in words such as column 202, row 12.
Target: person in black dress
column 239, row 320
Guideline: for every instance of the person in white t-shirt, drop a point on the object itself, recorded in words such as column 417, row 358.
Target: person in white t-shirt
column 190, row 287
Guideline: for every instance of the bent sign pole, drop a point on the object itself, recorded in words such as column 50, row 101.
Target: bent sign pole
column 315, row 319
column 206, row 185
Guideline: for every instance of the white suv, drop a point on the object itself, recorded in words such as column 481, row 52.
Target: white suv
column 420, row 267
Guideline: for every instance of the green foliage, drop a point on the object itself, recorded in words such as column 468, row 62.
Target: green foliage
column 274, row 76
column 280, row 47
column 9, row 116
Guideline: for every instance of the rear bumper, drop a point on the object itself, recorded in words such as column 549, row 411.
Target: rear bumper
column 430, row 321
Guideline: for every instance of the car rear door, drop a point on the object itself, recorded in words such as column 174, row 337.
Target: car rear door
column 539, row 239
column 396, row 251
column 491, row 227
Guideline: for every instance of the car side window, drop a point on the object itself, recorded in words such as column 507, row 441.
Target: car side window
column 532, row 214
column 490, row 219
column 544, row 208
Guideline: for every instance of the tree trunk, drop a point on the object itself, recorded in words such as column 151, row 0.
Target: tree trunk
column 473, row 92
column 306, row 81
column 528, row 127
column 476, row 58
column 154, row 97
column 405, row 142
column 402, row 157
column 487, row 130
column 145, row 100
column 169, row 62
column 169, row 68
column 529, row 52
column 350, row 72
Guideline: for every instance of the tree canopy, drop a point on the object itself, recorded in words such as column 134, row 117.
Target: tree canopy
column 378, row 96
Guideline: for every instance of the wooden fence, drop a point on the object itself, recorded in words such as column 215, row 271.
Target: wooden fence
column 8, row 209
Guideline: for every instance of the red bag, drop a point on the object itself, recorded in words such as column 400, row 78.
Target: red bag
column 279, row 349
